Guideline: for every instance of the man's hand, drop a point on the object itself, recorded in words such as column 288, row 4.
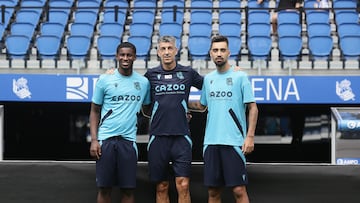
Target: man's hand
column 248, row 146
column 110, row 71
column 95, row 149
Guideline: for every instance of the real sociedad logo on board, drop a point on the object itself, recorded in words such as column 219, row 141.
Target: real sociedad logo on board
column 21, row 89
column 77, row 88
column 344, row 91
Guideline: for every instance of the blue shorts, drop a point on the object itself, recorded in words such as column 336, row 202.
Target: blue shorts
column 117, row 164
column 165, row 149
column 224, row 166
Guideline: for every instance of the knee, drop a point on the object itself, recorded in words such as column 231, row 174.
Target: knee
column 214, row 193
column 162, row 187
column 240, row 192
column 182, row 184
column 104, row 192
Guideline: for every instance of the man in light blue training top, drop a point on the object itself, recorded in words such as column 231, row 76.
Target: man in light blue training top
column 227, row 95
column 117, row 99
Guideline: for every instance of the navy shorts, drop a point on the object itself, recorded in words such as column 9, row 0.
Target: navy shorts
column 117, row 164
column 224, row 166
column 163, row 150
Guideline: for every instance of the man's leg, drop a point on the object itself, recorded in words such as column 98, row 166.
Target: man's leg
column 104, row 195
column 214, row 194
column 183, row 189
column 240, row 194
column 162, row 192
column 127, row 196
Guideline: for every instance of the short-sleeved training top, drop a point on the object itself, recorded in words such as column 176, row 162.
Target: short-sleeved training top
column 287, row 4
column 121, row 98
column 222, row 93
column 169, row 95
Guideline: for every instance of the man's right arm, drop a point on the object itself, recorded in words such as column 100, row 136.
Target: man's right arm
column 95, row 112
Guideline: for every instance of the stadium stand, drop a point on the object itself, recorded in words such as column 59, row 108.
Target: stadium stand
column 183, row 19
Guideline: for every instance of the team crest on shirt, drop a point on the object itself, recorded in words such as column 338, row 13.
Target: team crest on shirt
column 158, row 76
column 115, row 84
column 229, row 81
column 180, row 75
column 137, row 85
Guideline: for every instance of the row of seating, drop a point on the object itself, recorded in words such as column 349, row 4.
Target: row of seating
column 74, row 29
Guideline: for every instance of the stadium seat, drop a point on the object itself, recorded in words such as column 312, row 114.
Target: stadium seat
column 230, row 17
column 111, row 29
column 348, row 29
column 49, row 28
column 48, row 47
column 199, row 47
column 317, row 17
column 350, row 47
column 58, row 16
column 84, row 29
column 230, row 30
column 143, row 16
column 17, row 47
column 172, row 29
column 141, row 29
column 259, row 47
column 201, row 17
column 320, row 47
column 110, row 16
column 319, row 29
column 259, row 29
column 28, row 16
column 88, row 5
column 22, row 28
column 346, row 17
column 78, row 47
column 289, row 48
column 258, row 8
column 288, row 16
column 259, row 17
column 106, row 47
column 145, row 5
column 143, row 45
column 85, row 17
column 169, row 17
column 344, row 6
column 200, row 29
column 234, row 47
column 289, row 29
column 201, row 12
column 61, row 5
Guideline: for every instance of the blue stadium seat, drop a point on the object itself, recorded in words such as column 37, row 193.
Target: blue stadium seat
column 172, row 29
column 28, row 16
column 229, row 7
column 141, row 29
column 106, row 47
column 230, row 29
column 317, row 17
column 85, row 17
column 143, row 16
column 201, row 12
column 123, row 5
column 320, row 47
column 49, row 28
column 199, row 47
column 78, row 47
column 234, row 47
column 259, row 17
column 319, row 29
column 259, row 47
column 111, row 29
column 31, row 4
column 350, row 47
column 84, row 29
column 61, row 5
column 110, row 16
column 255, row 7
column 143, row 45
column 22, row 28
column 348, row 29
column 88, row 5
column 200, row 29
column 58, row 16
column 201, row 17
column 289, row 48
column 289, row 29
column 48, row 47
column 288, row 16
column 344, row 6
column 169, row 17
column 346, row 17
column 145, row 5
column 230, row 17
column 17, row 47
column 259, row 29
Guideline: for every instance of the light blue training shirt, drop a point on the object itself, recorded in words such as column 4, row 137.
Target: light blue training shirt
column 121, row 98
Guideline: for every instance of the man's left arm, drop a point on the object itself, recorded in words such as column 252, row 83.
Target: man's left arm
column 248, row 146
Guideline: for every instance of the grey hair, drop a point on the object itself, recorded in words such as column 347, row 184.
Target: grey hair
column 167, row 39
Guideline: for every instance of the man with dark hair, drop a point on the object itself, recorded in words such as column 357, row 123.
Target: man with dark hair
column 228, row 95
column 117, row 99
